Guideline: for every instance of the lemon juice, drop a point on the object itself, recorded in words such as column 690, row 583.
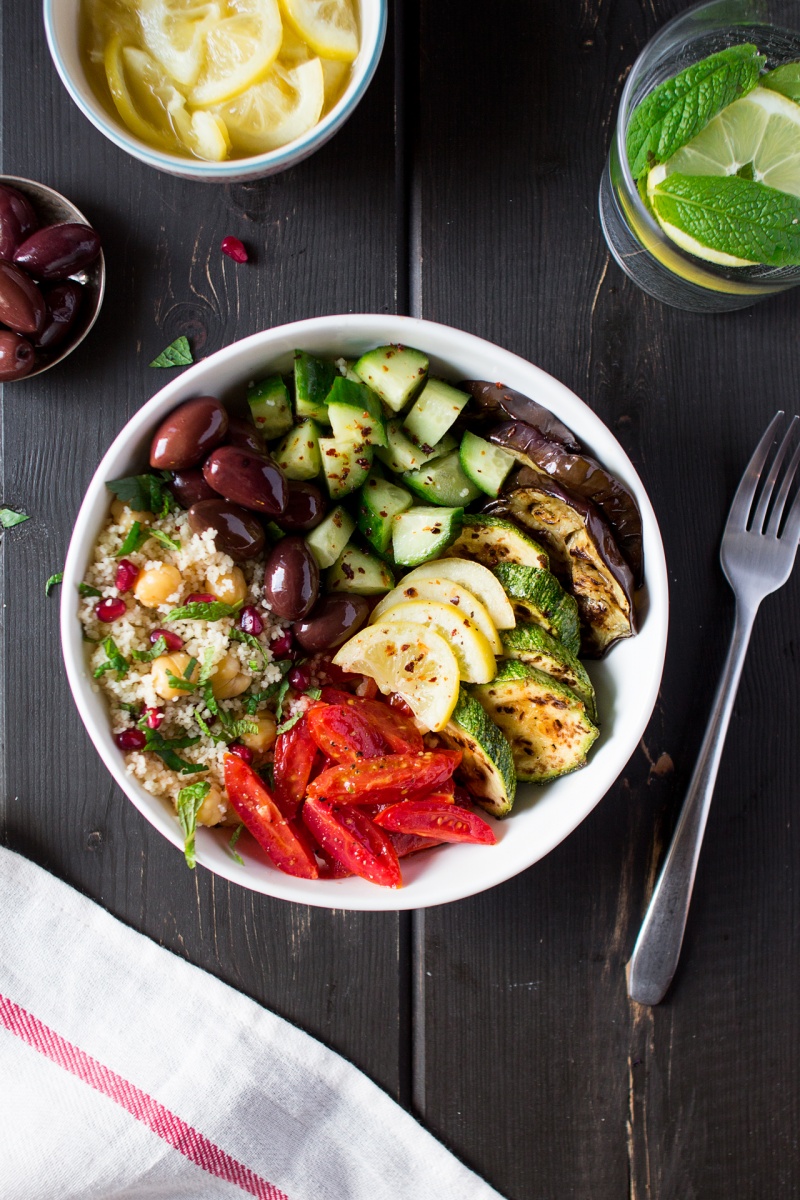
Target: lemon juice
column 219, row 79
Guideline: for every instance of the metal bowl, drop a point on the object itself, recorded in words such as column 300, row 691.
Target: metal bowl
column 51, row 209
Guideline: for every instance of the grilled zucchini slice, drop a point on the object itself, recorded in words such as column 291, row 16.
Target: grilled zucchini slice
column 491, row 540
column 537, row 596
column 487, row 767
column 533, row 645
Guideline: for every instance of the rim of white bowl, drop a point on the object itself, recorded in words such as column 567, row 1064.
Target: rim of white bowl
column 273, row 161
column 480, row 867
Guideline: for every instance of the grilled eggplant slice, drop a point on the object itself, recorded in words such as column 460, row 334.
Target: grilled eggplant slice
column 584, row 477
column 491, row 540
column 494, row 401
column 545, row 722
column 582, row 550
column 537, row 596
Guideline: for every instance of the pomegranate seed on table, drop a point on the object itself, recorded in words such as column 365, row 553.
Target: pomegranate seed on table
column 131, row 739
column 299, row 679
column 127, row 574
column 154, row 717
column 174, row 642
column 234, row 249
column 283, row 647
column 244, row 752
column 250, row 621
column 200, row 598
column 110, row 610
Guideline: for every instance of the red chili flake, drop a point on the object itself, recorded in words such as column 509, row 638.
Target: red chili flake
column 234, row 249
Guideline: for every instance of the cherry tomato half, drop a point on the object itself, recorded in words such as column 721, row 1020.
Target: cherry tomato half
column 344, row 735
column 256, row 808
column 295, row 752
column 399, row 729
column 385, row 780
column 432, row 818
column 354, row 841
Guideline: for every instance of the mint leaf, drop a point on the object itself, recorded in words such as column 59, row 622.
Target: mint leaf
column 733, row 216
column 52, row 581
column 114, row 660
column 9, row 518
column 158, row 648
column 134, row 539
column 232, row 843
column 203, row 610
column 238, row 635
column 86, row 589
column 142, row 493
column 785, row 79
column 679, row 108
column 166, row 750
column 190, row 801
column 177, row 354
column 164, row 539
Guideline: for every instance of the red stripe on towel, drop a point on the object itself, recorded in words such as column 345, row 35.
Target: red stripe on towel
column 188, row 1141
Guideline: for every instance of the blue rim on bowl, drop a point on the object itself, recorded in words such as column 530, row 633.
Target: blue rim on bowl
column 254, row 167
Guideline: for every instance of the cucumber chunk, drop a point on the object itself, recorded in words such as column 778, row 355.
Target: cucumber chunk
column 546, row 723
column 379, row 502
column 486, row 465
column 537, row 596
column 313, row 379
column 330, row 537
column 345, row 465
column 401, row 454
column 360, row 573
column 396, row 373
column 270, row 407
column 298, row 454
column 434, row 412
column 355, row 414
column 487, row 765
column 491, row 540
column 533, row 645
column 423, row 533
column 442, row 481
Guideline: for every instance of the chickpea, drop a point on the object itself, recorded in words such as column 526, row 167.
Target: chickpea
column 173, row 664
column 227, row 681
column 214, row 809
column 264, row 737
column 230, row 589
column 125, row 516
column 156, row 583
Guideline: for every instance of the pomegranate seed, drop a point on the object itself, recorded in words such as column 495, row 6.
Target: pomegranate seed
column 127, row 574
column 154, row 717
column 243, row 752
column 250, row 621
column 234, row 249
column 283, row 647
column 131, row 739
column 110, row 610
column 200, row 598
column 173, row 641
column 299, row 679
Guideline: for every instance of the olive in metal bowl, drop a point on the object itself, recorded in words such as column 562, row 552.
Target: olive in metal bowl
column 305, row 507
column 17, row 356
column 253, row 480
column 189, row 486
column 63, row 305
column 57, row 251
column 332, row 620
column 291, row 579
column 238, row 532
column 22, row 306
column 188, row 434
column 17, row 220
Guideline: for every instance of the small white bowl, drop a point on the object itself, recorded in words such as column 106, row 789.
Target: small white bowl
column 627, row 681
column 61, row 22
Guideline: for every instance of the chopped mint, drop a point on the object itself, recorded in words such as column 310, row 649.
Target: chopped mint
column 190, row 801
column 679, row 108
column 165, row 749
column 233, row 730
column 202, row 724
column 86, row 589
column 204, row 610
column 52, row 581
column 238, row 635
column 237, row 833
column 180, row 685
column 165, row 539
column 733, row 216
column 115, row 661
column 177, row 354
column 9, row 518
column 285, row 726
column 785, row 79
column 207, row 669
column 134, row 539
column 142, row 493
column 158, row 648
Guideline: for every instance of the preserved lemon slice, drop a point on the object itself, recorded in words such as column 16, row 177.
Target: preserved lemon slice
column 240, row 49
column 174, row 32
column 209, row 137
column 278, row 110
column 329, row 26
column 476, row 579
column 335, row 75
column 124, row 101
column 473, row 653
column 411, row 660
column 444, row 591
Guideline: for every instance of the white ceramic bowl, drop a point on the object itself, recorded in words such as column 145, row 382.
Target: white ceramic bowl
column 627, row 680
column 61, row 27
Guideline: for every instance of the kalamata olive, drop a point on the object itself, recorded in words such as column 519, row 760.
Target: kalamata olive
column 332, row 620
column 252, row 480
column 17, row 220
column 63, row 303
column 21, row 303
column 58, row 250
column 305, row 507
column 291, row 579
column 243, row 433
column 189, row 486
column 188, row 434
column 17, row 356
column 238, row 532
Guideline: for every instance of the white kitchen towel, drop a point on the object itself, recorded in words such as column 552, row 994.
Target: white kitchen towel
column 126, row 1072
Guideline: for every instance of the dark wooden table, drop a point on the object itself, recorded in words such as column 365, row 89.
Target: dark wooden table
column 464, row 190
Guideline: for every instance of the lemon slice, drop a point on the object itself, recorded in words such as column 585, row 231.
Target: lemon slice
column 209, row 138
column 329, row 26
column 239, row 51
column 283, row 107
column 758, row 135
column 124, row 102
column 411, row 660
column 444, row 591
column 174, row 32
column 476, row 579
column 335, row 75
column 474, row 655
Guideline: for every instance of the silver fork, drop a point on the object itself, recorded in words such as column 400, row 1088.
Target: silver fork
column 757, row 555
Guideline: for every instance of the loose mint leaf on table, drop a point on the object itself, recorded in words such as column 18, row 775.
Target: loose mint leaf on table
column 785, row 79
column 177, row 354
column 52, row 581
column 9, row 518
column 679, row 108
column 142, row 493
column 190, row 801
column 733, row 216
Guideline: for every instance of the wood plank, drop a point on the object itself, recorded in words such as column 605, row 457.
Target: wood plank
column 319, row 244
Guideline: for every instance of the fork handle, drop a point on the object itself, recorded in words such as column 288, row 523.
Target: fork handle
column 655, row 955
